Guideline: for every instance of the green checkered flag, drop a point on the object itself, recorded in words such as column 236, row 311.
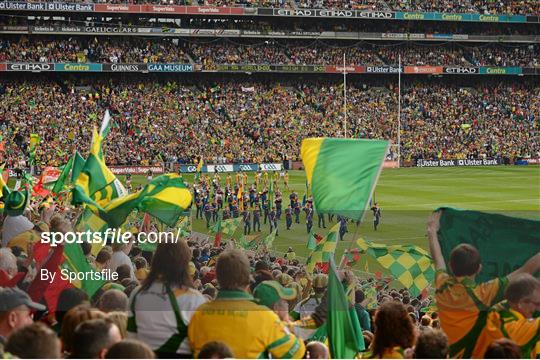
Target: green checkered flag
column 324, row 250
column 408, row 264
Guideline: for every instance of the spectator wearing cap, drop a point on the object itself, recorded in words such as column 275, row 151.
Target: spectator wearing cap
column 462, row 303
column 274, row 296
column 234, row 318
column 15, row 311
column 161, row 308
column 514, row 318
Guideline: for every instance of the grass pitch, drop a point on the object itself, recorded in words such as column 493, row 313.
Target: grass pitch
column 408, row 195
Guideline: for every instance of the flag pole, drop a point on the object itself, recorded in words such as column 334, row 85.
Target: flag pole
column 399, row 112
column 344, row 95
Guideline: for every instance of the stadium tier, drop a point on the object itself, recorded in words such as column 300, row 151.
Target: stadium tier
column 230, row 51
column 522, row 7
column 260, row 121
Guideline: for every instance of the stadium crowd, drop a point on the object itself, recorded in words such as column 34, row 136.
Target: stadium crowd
column 219, row 51
column 252, row 121
column 286, row 25
column 517, row 7
column 195, row 299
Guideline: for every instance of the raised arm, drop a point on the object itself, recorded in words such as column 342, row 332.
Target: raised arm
column 434, row 246
column 532, row 266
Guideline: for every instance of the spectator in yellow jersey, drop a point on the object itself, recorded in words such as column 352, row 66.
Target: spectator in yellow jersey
column 249, row 329
column 463, row 304
column 514, row 318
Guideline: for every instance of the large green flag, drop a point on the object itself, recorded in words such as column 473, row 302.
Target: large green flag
column 78, row 164
column 344, row 331
column 410, row 265
column 61, row 181
column 505, row 243
column 76, row 263
column 342, row 173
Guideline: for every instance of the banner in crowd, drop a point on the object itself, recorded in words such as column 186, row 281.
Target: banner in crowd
column 348, row 35
column 531, row 161
column 328, row 69
column 457, row 162
column 247, row 11
column 209, row 168
column 136, row 170
column 505, row 243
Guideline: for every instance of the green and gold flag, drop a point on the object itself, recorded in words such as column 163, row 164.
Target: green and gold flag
column 269, row 239
column 78, row 164
column 61, row 181
column 166, row 198
column 342, row 173
column 249, row 242
column 410, row 265
column 96, row 184
column 229, row 226
column 324, row 250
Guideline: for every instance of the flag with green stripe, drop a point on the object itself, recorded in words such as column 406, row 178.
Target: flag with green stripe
column 342, row 173
column 61, row 181
column 78, row 164
column 344, row 332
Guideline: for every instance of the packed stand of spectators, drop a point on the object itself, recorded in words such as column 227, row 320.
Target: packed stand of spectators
column 193, row 299
column 503, row 120
column 111, row 50
column 516, row 7
column 427, row 54
column 288, row 24
column 227, row 51
column 526, row 56
column 270, row 52
column 247, row 121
